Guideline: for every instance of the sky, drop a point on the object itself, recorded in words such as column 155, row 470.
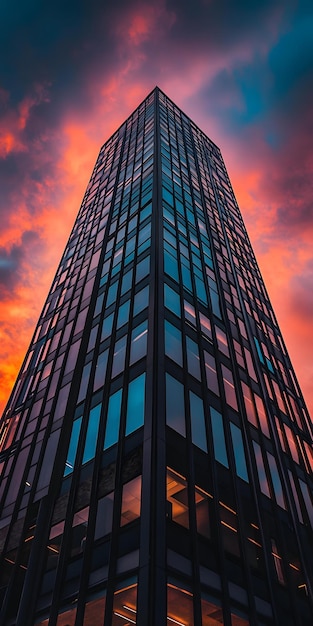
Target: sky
column 70, row 74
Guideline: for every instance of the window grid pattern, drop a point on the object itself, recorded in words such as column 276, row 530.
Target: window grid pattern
column 236, row 436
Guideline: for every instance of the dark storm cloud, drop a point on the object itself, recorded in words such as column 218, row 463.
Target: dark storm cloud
column 55, row 43
column 12, row 261
column 220, row 25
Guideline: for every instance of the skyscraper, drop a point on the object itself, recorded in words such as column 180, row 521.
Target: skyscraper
column 156, row 452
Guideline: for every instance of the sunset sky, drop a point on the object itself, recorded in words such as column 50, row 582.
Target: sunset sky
column 71, row 71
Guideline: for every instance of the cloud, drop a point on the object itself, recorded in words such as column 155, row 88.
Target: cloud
column 10, row 269
column 241, row 70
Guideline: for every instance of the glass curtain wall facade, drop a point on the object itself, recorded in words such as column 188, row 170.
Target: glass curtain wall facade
column 156, row 452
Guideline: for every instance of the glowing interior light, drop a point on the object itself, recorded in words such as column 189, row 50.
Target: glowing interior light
column 128, row 608
column 127, row 619
column 294, row 567
column 255, row 542
column 229, row 526
column 175, row 621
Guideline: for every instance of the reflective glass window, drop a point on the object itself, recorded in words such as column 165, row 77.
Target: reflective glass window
column 222, row 340
column 170, row 266
column 292, row 443
column 119, row 356
column 123, row 314
column 127, row 281
column 193, row 359
column 171, row 300
column 135, row 404
column 101, row 368
column 138, row 348
column 92, row 433
column 175, row 405
column 247, row 396
column 107, row 327
column 104, row 516
column 261, row 469
column 239, row 453
column 190, row 314
column 112, row 293
column 198, row 429
column 307, row 499
column 143, row 269
column 141, row 300
column 72, row 448
column 205, row 326
column 173, row 343
column 229, row 387
column 113, row 419
column 219, row 444
column 278, row 490
column 210, row 372
column 262, row 415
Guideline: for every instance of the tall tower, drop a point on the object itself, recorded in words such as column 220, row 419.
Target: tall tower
column 156, row 453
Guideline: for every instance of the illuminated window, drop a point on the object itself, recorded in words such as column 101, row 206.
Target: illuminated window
column 177, row 498
column 94, row 611
column 237, row 620
column 125, row 604
column 179, row 606
column 202, row 499
column 212, row 614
